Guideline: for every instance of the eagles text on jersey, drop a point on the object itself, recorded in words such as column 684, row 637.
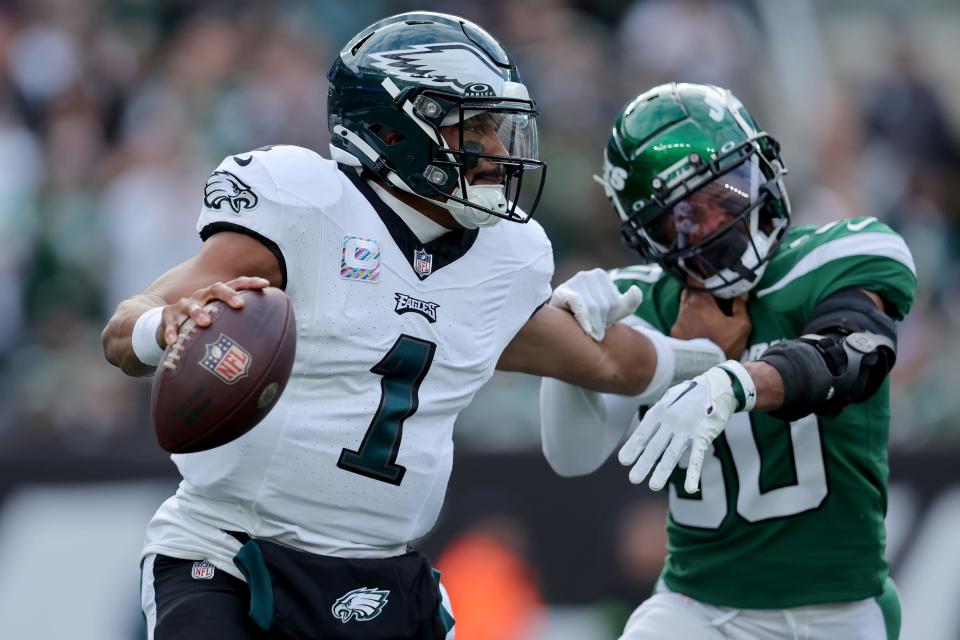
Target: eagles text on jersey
column 395, row 337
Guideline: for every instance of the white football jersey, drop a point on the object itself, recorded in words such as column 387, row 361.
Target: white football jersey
column 394, row 338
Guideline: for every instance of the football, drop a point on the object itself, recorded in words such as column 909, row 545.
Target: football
column 217, row 382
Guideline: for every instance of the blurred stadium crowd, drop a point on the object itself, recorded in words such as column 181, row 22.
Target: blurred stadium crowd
column 112, row 114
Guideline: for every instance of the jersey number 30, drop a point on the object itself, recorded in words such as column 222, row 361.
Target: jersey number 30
column 709, row 510
column 403, row 370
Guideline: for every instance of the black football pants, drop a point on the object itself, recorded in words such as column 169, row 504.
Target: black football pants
column 195, row 607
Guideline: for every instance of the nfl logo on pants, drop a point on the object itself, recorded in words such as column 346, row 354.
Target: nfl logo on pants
column 202, row 570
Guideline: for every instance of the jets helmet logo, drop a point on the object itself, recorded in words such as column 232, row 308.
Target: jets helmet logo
column 224, row 187
column 361, row 604
column 443, row 64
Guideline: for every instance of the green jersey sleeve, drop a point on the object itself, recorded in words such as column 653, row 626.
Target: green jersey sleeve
column 815, row 262
column 661, row 293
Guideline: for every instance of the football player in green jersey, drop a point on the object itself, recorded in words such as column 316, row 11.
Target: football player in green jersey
column 777, row 467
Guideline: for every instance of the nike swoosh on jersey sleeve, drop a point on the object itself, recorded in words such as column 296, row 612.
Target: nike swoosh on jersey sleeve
column 885, row 245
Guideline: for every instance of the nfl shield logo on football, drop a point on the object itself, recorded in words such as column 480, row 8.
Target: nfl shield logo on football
column 226, row 359
column 422, row 263
column 202, row 570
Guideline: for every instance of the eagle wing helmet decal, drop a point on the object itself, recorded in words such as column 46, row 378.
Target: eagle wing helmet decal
column 363, row 604
column 443, row 64
column 224, row 187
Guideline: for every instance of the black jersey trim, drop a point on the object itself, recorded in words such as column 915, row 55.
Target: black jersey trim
column 445, row 250
column 217, row 227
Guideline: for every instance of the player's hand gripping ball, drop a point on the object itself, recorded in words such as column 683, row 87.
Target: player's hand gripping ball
column 217, row 382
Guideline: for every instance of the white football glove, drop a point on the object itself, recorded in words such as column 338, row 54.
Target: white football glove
column 690, row 414
column 595, row 301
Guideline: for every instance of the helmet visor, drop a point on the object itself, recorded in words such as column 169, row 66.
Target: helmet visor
column 496, row 142
column 517, row 132
column 707, row 211
column 500, row 131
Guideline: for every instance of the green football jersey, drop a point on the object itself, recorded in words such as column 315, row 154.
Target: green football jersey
column 789, row 514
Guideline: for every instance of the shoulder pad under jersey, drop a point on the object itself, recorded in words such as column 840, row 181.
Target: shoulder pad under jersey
column 812, row 263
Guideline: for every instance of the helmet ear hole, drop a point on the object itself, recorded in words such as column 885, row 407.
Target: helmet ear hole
column 387, row 135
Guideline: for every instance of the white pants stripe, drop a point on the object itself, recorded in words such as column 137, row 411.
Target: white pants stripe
column 148, row 599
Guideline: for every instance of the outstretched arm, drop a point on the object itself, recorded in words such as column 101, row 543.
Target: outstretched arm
column 581, row 428
column 769, row 381
column 553, row 345
column 847, row 348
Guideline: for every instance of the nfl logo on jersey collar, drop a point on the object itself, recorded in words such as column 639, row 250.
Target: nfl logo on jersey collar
column 422, row 263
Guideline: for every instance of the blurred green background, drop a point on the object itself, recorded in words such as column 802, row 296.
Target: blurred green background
column 112, row 115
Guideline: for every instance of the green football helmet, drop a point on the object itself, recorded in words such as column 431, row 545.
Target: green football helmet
column 698, row 186
column 398, row 82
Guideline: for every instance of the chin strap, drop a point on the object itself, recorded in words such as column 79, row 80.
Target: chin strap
column 343, row 157
column 489, row 196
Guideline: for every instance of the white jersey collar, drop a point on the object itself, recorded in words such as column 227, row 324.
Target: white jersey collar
column 423, row 227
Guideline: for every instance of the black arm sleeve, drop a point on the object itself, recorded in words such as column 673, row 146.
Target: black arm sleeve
column 848, row 348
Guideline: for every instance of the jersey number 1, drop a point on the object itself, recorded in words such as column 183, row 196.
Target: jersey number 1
column 403, row 370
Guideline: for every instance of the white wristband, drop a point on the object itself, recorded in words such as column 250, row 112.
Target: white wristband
column 144, row 337
column 677, row 360
column 747, row 394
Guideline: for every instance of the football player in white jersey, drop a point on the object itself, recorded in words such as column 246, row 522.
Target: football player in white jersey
column 408, row 294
